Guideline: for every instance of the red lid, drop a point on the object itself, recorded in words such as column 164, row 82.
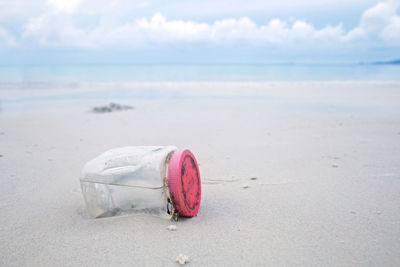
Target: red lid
column 184, row 183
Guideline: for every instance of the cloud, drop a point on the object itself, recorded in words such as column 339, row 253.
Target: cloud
column 53, row 29
column 62, row 26
column 380, row 23
column 6, row 38
column 159, row 29
column 68, row 6
column 233, row 30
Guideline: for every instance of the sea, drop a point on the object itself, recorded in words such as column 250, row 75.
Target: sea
column 31, row 88
column 197, row 72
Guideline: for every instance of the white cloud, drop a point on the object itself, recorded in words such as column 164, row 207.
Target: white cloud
column 6, row 38
column 275, row 32
column 61, row 26
column 232, row 30
column 330, row 33
column 392, row 31
column 159, row 29
column 68, row 6
column 380, row 23
column 17, row 11
column 53, row 29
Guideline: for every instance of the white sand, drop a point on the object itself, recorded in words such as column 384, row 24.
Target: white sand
column 326, row 193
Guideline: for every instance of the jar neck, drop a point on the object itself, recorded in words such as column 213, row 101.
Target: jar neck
column 165, row 170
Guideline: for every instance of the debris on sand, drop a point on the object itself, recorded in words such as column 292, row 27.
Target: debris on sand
column 111, row 108
column 253, row 178
column 334, row 165
column 245, row 186
column 182, row 259
column 171, row 227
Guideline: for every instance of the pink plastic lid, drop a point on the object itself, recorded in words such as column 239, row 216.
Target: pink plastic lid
column 184, row 183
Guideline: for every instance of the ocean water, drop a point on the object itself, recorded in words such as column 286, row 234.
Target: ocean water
column 44, row 88
column 204, row 72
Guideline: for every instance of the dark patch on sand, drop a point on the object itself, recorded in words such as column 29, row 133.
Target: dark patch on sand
column 111, row 108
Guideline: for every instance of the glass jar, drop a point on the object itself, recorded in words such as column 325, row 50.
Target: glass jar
column 147, row 179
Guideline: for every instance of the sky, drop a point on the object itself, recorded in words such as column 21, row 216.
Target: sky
column 187, row 31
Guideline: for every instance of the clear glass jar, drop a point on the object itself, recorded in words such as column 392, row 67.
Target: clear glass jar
column 149, row 179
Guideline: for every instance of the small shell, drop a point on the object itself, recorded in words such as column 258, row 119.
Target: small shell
column 171, row 227
column 334, row 165
column 182, row 259
column 245, row 186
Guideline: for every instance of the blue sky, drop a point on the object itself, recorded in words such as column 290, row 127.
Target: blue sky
column 177, row 31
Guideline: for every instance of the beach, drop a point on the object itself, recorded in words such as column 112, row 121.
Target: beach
column 320, row 159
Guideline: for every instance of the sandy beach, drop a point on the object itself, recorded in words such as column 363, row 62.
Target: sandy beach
column 325, row 157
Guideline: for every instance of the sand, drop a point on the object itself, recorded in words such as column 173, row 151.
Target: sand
column 326, row 191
